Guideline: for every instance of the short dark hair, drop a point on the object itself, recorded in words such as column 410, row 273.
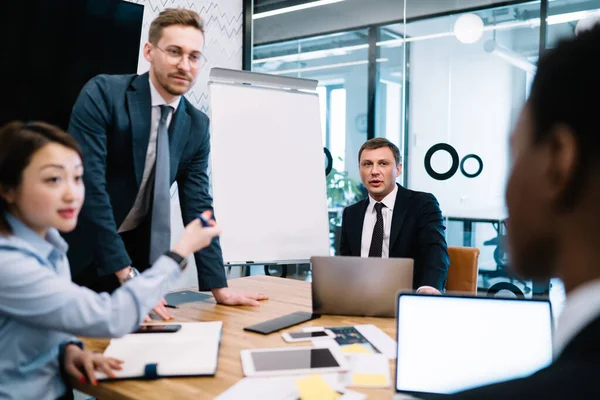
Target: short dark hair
column 18, row 142
column 565, row 92
column 174, row 16
column 378, row 143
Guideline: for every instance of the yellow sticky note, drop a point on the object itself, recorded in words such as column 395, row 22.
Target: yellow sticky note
column 356, row 348
column 369, row 380
column 315, row 388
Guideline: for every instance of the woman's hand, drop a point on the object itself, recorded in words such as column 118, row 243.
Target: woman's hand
column 196, row 237
column 81, row 364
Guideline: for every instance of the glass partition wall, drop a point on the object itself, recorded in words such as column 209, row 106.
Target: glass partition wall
column 447, row 89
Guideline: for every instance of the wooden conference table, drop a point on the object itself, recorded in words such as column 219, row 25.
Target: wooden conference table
column 286, row 296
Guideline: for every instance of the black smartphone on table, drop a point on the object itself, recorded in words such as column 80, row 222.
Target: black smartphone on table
column 277, row 324
column 170, row 328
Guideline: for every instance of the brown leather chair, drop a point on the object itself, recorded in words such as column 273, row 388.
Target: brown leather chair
column 462, row 273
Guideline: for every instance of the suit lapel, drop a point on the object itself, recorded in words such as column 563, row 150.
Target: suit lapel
column 356, row 242
column 140, row 114
column 400, row 208
column 584, row 345
column 178, row 134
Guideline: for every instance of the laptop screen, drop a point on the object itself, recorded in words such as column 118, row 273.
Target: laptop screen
column 448, row 344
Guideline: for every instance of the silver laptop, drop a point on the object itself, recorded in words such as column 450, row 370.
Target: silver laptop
column 447, row 344
column 359, row 286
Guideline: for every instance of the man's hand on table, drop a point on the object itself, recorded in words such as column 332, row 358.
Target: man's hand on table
column 227, row 297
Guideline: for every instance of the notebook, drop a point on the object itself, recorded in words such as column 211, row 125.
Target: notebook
column 191, row 351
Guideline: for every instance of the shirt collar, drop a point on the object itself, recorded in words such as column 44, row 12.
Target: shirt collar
column 44, row 246
column 388, row 200
column 157, row 99
column 581, row 308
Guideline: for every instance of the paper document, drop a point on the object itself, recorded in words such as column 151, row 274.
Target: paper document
column 275, row 388
column 284, row 388
column 359, row 339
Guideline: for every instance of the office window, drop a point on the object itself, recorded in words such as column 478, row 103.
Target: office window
column 390, row 118
column 459, row 79
column 567, row 17
column 340, row 63
column 468, row 76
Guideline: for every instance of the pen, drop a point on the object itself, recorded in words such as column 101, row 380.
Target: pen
column 170, row 306
column 203, row 220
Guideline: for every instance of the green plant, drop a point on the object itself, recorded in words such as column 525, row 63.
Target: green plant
column 341, row 189
column 341, row 192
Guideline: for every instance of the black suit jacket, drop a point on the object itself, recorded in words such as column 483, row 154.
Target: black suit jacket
column 111, row 121
column 417, row 232
column 574, row 375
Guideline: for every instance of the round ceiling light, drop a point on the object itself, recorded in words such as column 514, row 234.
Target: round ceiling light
column 468, row 28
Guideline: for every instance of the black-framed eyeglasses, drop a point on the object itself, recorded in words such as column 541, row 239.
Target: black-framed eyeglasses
column 175, row 55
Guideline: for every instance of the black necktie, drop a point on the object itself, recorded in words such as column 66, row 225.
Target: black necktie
column 377, row 239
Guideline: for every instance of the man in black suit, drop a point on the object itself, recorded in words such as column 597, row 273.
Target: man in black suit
column 394, row 221
column 139, row 135
column 553, row 198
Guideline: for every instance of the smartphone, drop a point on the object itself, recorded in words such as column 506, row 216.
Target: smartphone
column 170, row 328
column 302, row 336
column 280, row 323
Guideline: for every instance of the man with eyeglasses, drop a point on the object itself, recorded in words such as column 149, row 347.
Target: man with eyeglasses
column 139, row 135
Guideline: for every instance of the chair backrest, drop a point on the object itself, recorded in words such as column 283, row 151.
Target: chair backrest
column 462, row 273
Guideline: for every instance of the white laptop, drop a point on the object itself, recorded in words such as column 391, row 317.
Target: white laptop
column 448, row 344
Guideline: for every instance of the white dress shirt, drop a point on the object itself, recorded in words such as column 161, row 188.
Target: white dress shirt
column 371, row 219
column 142, row 201
column 581, row 308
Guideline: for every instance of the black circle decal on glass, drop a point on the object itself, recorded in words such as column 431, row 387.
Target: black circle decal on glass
column 505, row 286
column 329, row 165
column 476, row 158
column 453, row 167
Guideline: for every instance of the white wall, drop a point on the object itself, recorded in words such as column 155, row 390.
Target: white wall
column 223, row 48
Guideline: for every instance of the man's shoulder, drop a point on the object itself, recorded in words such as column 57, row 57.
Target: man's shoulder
column 113, row 81
column 197, row 116
column 416, row 194
column 415, row 198
column 559, row 381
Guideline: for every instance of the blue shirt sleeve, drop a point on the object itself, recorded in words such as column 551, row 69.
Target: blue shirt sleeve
column 37, row 296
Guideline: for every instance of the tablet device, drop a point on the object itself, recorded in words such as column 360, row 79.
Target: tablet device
column 294, row 360
column 274, row 325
